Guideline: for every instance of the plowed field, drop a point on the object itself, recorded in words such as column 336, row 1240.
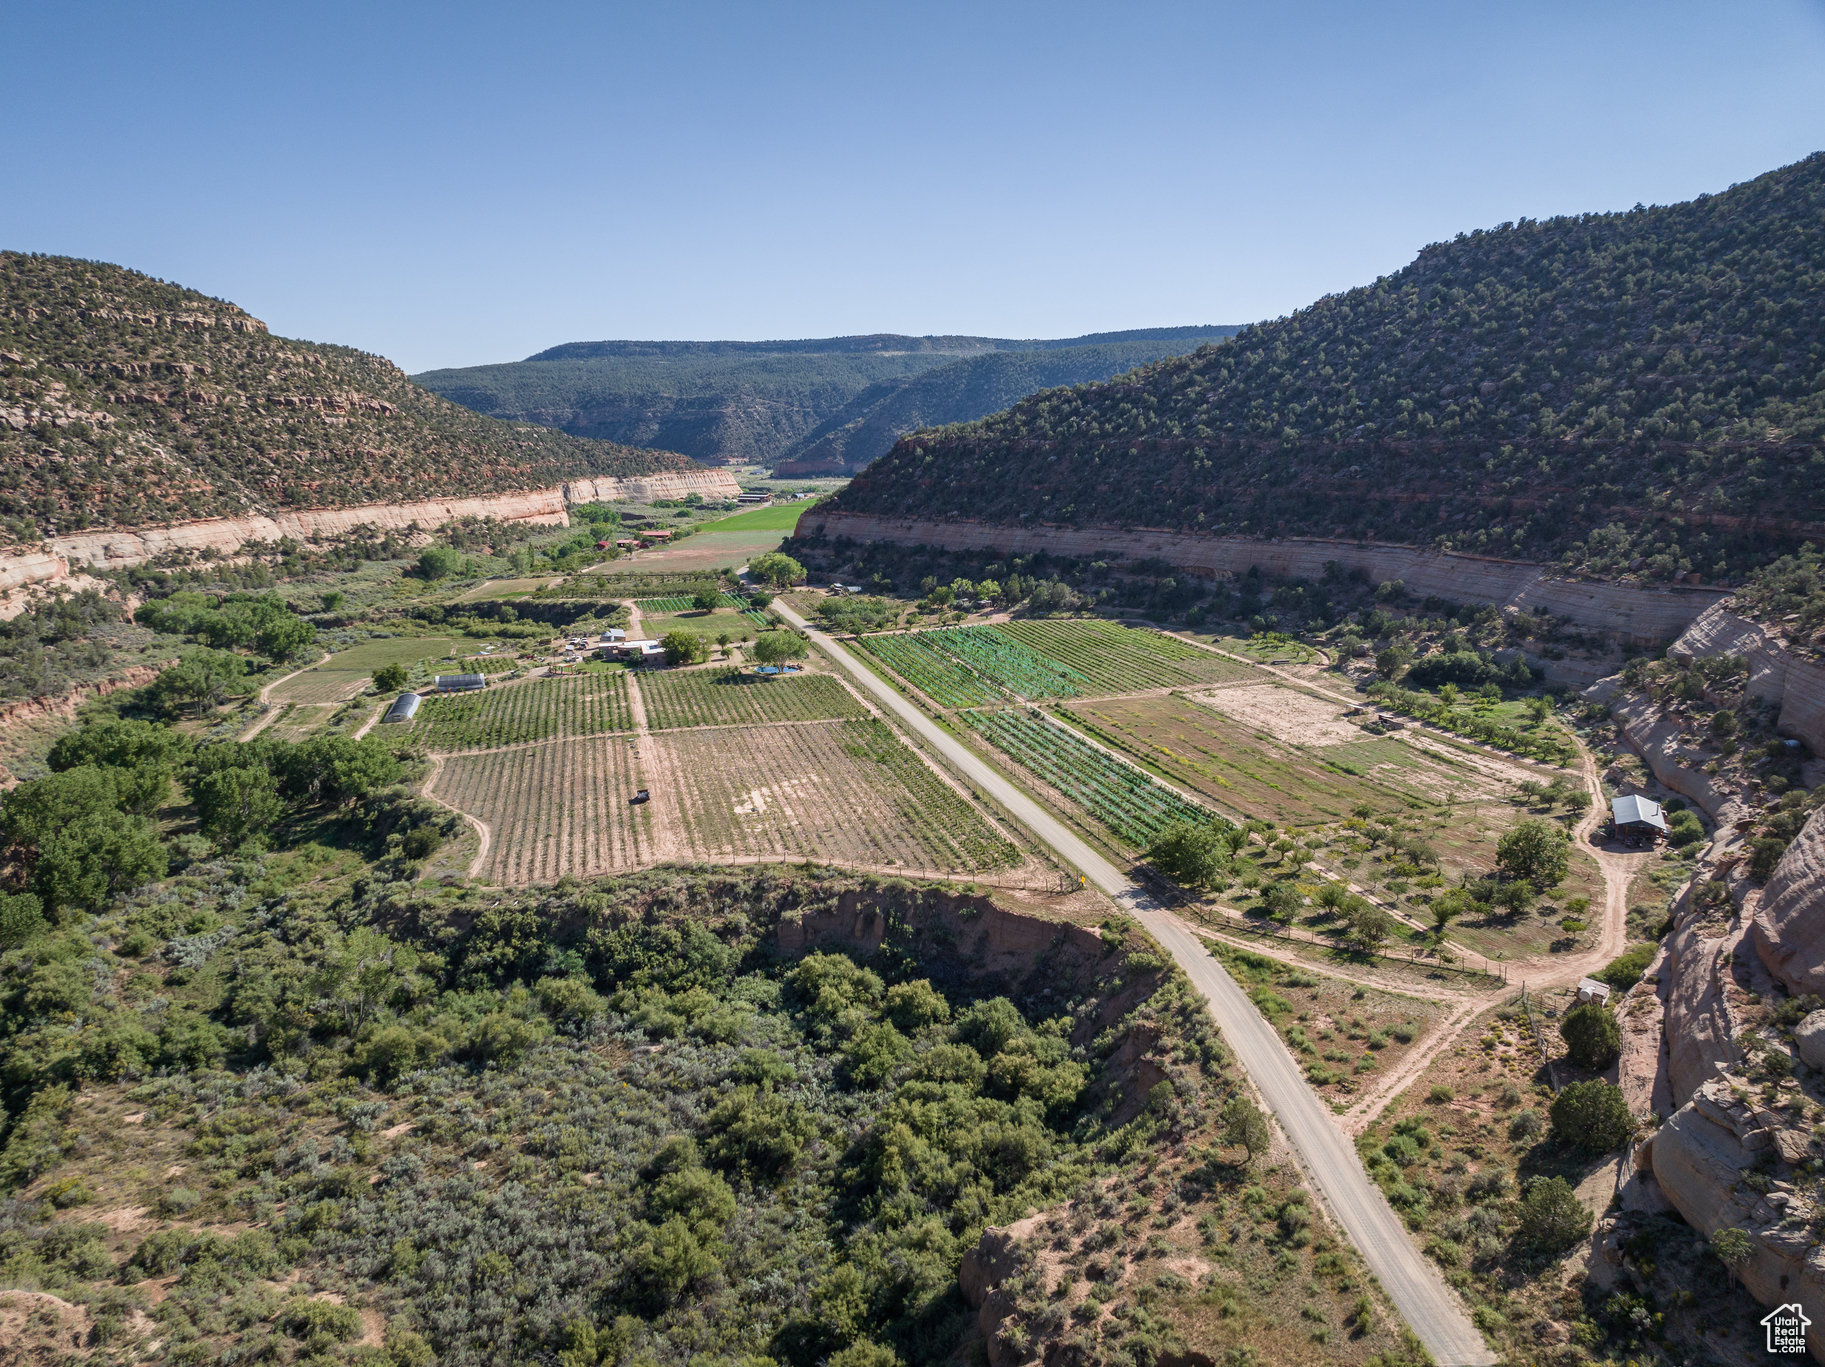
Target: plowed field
column 843, row 792
column 553, row 809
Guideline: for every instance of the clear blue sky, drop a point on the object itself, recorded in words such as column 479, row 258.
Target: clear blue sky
column 454, row 183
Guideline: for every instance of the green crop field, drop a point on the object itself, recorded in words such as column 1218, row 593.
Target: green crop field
column 966, row 666
column 1008, row 662
column 725, row 697
column 779, row 517
column 1123, row 797
column 939, row 677
column 1112, row 658
column 583, row 705
column 675, row 604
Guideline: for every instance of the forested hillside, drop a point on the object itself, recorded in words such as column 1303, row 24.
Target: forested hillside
column 824, row 403
column 1635, row 393
column 126, row 400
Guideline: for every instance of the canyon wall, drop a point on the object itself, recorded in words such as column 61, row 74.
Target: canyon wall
column 1637, row 615
column 60, row 559
column 1776, row 674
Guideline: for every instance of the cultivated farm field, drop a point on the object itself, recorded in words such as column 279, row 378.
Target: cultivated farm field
column 673, row 605
column 966, row 666
column 553, row 809
column 1245, row 766
column 1128, row 801
column 730, row 697
column 844, row 792
column 512, row 714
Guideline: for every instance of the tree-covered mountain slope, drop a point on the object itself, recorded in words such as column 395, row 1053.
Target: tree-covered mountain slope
column 825, row 403
column 1634, row 393
column 126, row 400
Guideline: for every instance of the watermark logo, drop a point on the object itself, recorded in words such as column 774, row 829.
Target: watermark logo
column 1787, row 1326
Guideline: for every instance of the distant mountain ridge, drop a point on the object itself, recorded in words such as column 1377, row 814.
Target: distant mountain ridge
column 1634, row 395
column 830, row 403
column 127, row 401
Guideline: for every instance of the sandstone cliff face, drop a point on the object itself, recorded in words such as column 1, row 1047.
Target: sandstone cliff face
column 1700, row 1158
column 1677, row 765
column 1789, row 929
column 57, row 562
column 1776, row 674
column 1644, row 616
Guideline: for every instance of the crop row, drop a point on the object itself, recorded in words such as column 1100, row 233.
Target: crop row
column 1008, row 662
column 728, row 697
column 938, row 676
column 677, row 603
column 1112, row 658
column 583, row 705
column 942, row 816
column 553, row 809
column 1121, row 796
column 846, row 792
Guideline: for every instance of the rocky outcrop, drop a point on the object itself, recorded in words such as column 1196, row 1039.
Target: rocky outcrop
column 1809, row 1039
column 1700, row 1029
column 1639, row 615
column 1777, row 675
column 1700, row 1158
column 59, row 559
column 1659, row 741
column 1789, row 929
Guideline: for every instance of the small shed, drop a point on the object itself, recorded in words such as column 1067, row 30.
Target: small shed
column 1638, row 820
column 461, row 683
column 404, row 708
column 1590, row 990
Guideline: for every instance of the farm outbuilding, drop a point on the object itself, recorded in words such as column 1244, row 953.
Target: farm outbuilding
column 461, row 683
column 612, row 635
column 1638, row 820
column 404, row 708
column 1590, row 990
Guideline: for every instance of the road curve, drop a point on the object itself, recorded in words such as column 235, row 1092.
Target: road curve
column 1330, row 1160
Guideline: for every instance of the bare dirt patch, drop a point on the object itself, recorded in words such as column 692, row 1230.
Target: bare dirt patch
column 1284, row 713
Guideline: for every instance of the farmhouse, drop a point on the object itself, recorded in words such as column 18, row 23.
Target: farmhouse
column 639, row 652
column 404, row 707
column 460, row 683
column 1638, row 820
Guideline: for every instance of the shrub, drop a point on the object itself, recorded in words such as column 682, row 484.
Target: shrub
column 1591, row 1036
column 1624, row 971
column 1553, row 1219
column 1592, row 1116
column 1525, row 1126
column 1439, row 1095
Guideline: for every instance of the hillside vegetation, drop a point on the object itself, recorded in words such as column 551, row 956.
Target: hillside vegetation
column 823, row 403
column 126, row 400
column 1635, row 393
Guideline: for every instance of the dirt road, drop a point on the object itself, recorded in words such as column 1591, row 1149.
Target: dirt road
column 1418, row 1291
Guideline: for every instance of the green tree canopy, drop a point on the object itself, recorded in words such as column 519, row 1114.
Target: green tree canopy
column 1536, row 851
column 1191, row 853
column 776, row 647
column 776, row 568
